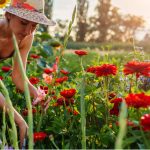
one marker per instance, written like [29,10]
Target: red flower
[64,72]
[61,80]
[115,109]
[138,100]
[48,70]
[6,68]
[68,93]
[39,136]
[34,56]
[106,70]
[91,69]
[139,68]
[25,111]
[45,88]
[81,52]
[60,101]
[111,95]
[129,124]
[116,100]
[1,78]
[34,80]
[64,101]
[75,113]
[145,122]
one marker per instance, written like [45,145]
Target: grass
[72,61]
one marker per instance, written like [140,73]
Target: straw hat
[32,10]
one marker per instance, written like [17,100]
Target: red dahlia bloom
[68,93]
[61,80]
[39,136]
[106,70]
[139,68]
[64,72]
[6,68]
[145,122]
[1,78]
[91,69]
[81,52]
[61,101]
[115,109]
[34,80]
[138,100]
[35,56]
[48,70]
[116,100]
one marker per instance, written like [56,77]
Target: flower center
[2,2]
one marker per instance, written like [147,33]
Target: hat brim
[29,15]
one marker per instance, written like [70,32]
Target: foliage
[62,122]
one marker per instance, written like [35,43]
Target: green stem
[106,98]
[82,107]
[83,117]
[122,126]
[27,93]
[40,122]
[11,115]
[4,129]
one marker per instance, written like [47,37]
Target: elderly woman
[21,18]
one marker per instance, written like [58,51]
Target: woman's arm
[16,73]
[18,119]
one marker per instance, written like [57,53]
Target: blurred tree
[109,25]
[48,12]
[82,9]
[102,20]
[131,24]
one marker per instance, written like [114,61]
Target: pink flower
[41,96]
[47,78]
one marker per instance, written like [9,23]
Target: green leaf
[41,63]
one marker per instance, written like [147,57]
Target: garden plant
[90,101]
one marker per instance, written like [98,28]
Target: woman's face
[21,27]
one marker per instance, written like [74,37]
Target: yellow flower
[3,3]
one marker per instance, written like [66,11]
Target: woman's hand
[23,129]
